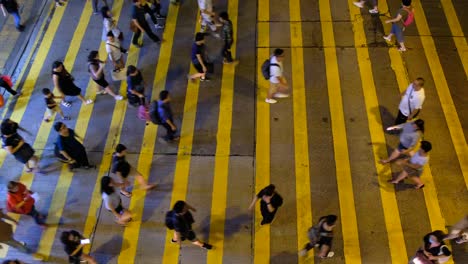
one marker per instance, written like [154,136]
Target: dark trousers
[267,216]
[401,118]
[38,218]
[227,51]
[169,132]
[95,4]
[148,31]
[8,88]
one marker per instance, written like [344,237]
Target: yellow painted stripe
[352,251]
[184,152]
[262,148]
[28,87]
[113,138]
[443,92]
[223,146]
[137,202]
[457,33]
[301,143]
[396,240]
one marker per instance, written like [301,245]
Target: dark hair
[224,15]
[110,34]
[120,147]
[64,237]
[179,207]
[8,127]
[199,36]
[57,126]
[46,91]
[8,261]
[439,234]
[330,219]
[163,95]
[420,81]
[11,185]
[420,124]
[104,11]
[105,188]
[269,190]
[131,69]
[278,52]
[406,2]
[426,146]
[92,55]
[56,64]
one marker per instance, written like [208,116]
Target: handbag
[420,258]
[133,26]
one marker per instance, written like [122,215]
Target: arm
[413,113]
[99,70]
[252,204]
[190,207]
[200,59]
[138,25]
[396,19]
[171,124]
[267,200]
[124,181]
[65,154]
[12,150]
[3,10]
[76,250]
[282,80]
[117,215]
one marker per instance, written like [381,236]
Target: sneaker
[374,11]
[58,4]
[157,26]
[387,38]
[66,118]
[173,241]
[204,79]
[46,120]
[281,95]
[359,4]
[303,252]
[271,101]
[118,97]
[160,16]
[401,49]
[89,101]
[20,28]
[207,246]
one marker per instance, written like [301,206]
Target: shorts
[401,147]
[51,111]
[325,241]
[398,32]
[199,67]
[412,171]
[24,153]
[102,82]
[190,236]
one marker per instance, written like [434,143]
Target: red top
[19,196]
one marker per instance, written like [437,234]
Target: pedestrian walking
[411,102]
[52,106]
[68,149]
[165,115]
[270,201]
[5,82]
[411,132]
[459,231]
[198,59]
[126,172]
[6,234]
[115,51]
[95,5]
[207,16]
[181,219]
[20,200]
[135,87]
[157,8]
[109,24]
[73,243]
[139,23]
[278,84]
[374,10]
[12,8]
[112,201]
[413,167]
[227,36]
[151,12]
[14,144]
[63,81]
[96,69]
[433,250]
[321,236]
[403,18]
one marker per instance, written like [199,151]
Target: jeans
[17,18]
[16,244]
[147,30]
[38,218]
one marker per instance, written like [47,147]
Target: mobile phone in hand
[85,241]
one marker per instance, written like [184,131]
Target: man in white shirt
[411,101]
[207,15]
[278,84]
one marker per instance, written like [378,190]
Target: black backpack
[154,113]
[266,68]
[170,219]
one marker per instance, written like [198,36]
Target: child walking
[52,106]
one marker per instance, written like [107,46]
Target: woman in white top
[413,167]
[115,51]
[112,201]
[109,24]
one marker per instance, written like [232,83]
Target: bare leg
[403,174]
[143,183]
[418,182]
[324,249]
[88,258]
[197,75]
[395,154]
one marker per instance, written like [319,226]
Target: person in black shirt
[139,20]
[12,8]
[74,248]
[123,169]
[182,222]
[165,113]
[51,105]
[68,149]
[136,87]
[434,247]
[324,239]
[198,50]
[270,201]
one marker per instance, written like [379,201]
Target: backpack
[143,113]
[410,19]
[170,217]
[154,113]
[266,68]
[314,233]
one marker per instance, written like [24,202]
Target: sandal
[89,101]
[419,187]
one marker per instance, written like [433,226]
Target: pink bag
[143,113]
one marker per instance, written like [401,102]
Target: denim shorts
[398,32]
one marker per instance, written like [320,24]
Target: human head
[163,95]
[279,54]
[437,236]
[106,185]
[179,207]
[8,127]
[406,2]
[12,261]
[131,70]
[199,37]
[270,189]
[120,148]
[59,125]
[65,237]
[46,91]
[110,36]
[419,123]
[418,83]
[331,220]
[57,66]
[93,55]
[105,12]
[426,146]
[223,16]
[12,186]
